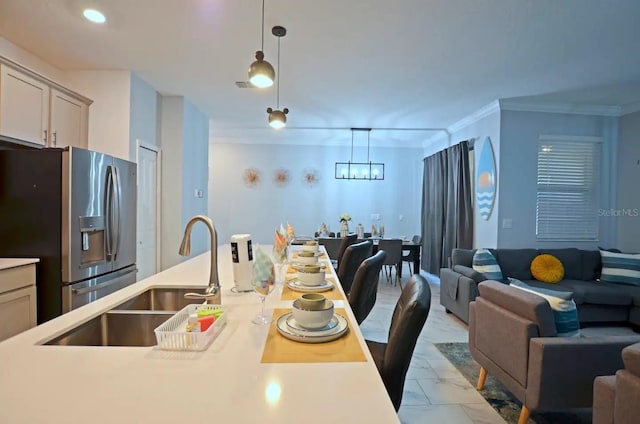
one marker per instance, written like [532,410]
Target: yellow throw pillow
[547,268]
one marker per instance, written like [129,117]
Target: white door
[148,210]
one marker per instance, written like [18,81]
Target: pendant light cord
[278,76]
[262,44]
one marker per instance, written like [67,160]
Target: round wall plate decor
[281,177]
[251,177]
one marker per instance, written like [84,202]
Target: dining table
[248,374]
[413,249]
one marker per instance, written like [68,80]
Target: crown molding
[630,108]
[474,117]
[572,108]
[481,113]
[434,139]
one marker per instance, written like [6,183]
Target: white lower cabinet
[17,300]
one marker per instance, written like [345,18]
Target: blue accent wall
[628,201]
[519,135]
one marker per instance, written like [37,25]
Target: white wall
[109,114]
[144,114]
[628,177]
[238,208]
[518,173]
[30,61]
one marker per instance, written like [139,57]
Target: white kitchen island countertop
[225,383]
[6,263]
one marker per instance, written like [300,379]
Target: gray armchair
[512,336]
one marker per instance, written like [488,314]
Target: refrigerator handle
[109,211]
[116,210]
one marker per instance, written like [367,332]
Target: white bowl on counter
[311,278]
[313,319]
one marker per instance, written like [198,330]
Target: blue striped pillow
[620,268]
[564,308]
[485,263]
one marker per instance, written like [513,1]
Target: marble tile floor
[434,390]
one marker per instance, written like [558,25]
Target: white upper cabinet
[39,111]
[68,120]
[24,106]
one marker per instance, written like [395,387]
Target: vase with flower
[344,222]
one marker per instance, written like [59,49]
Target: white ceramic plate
[296,285]
[312,336]
[295,327]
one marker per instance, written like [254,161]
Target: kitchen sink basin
[161,299]
[115,328]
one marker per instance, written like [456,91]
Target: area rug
[499,397]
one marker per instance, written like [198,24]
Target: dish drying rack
[172,334]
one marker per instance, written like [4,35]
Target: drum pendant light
[261,73]
[277,117]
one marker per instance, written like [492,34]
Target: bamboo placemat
[278,349]
[333,294]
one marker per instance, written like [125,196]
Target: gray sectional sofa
[597,302]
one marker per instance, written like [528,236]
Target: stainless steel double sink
[131,323]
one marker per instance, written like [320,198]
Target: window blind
[568,190]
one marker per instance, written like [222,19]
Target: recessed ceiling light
[94,16]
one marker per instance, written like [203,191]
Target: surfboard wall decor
[486,180]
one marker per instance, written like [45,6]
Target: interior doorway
[148,228]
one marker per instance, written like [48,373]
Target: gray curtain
[447,212]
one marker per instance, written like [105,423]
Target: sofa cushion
[547,268]
[591,265]
[597,293]
[620,268]
[564,308]
[571,259]
[464,257]
[485,263]
[516,262]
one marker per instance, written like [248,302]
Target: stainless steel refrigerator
[75,210]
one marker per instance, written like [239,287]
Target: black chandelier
[368,170]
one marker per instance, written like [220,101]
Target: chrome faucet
[212,293]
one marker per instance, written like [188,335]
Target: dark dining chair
[393,247]
[408,258]
[364,289]
[351,260]
[346,242]
[331,245]
[393,358]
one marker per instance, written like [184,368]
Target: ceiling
[417,65]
